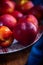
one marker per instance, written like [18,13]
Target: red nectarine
[28,5]
[8,20]
[17,14]
[31,18]
[24,7]
[6,36]
[7,7]
[1,1]
[25,32]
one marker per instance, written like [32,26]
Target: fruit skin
[25,7]
[23,1]
[17,14]
[1,1]
[8,20]
[25,32]
[28,5]
[7,7]
[6,36]
[31,18]
[4,0]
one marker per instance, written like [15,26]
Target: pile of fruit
[19,21]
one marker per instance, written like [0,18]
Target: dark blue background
[37,2]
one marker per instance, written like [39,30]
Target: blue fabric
[36,55]
[37,2]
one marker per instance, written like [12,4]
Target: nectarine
[25,7]
[25,32]
[6,36]
[3,0]
[17,14]
[28,5]
[8,20]
[7,7]
[31,18]
[22,1]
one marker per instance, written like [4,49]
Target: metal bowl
[16,46]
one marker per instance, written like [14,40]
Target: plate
[16,46]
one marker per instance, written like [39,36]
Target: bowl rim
[23,47]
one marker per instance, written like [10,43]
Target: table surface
[18,58]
